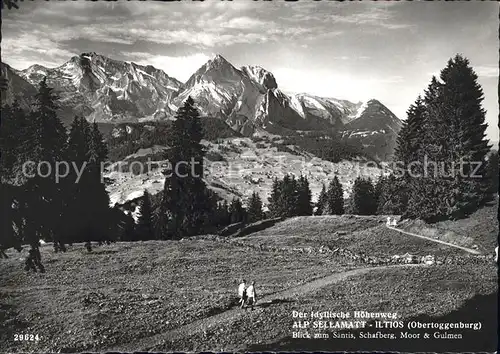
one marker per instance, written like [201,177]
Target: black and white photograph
[249,176]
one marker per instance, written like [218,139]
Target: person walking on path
[242,293]
[251,296]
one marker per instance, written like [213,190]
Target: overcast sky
[356,51]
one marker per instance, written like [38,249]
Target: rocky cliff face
[104,89]
[18,88]
[247,99]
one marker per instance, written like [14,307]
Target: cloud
[30,48]
[370,14]
[487,71]
[246,22]
[181,67]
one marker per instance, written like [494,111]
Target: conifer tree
[78,198]
[304,205]
[276,207]
[363,197]
[184,204]
[335,197]
[322,203]
[14,129]
[463,113]
[129,229]
[453,137]
[290,196]
[410,137]
[14,137]
[423,184]
[44,197]
[255,208]
[392,195]
[145,229]
[99,211]
[225,213]
[238,213]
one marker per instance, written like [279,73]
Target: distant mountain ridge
[248,99]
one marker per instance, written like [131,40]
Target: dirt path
[203,324]
[470,250]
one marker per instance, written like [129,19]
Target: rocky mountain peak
[218,62]
[260,76]
[247,99]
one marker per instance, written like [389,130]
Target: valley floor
[181,295]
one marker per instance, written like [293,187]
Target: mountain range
[248,99]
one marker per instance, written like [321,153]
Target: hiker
[242,293]
[251,298]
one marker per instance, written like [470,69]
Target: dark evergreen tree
[211,221]
[392,195]
[453,140]
[185,203]
[462,110]
[409,141]
[423,184]
[335,197]
[225,214]
[322,203]
[129,229]
[255,212]
[238,213]
[276,206]
[78,198]
[304,204]
[99,212]
[290,196]
[44,196]
[145,230]
[363,197]
[14,137]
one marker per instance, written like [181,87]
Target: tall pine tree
[363,199]
[255,208]
[335,197]
[43,202]
[145,229]
[238,213]
[99,214]
[304,205]
[78,198]
[276,205]
[463,113]
[322,203]
[185,198]
[452,142]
